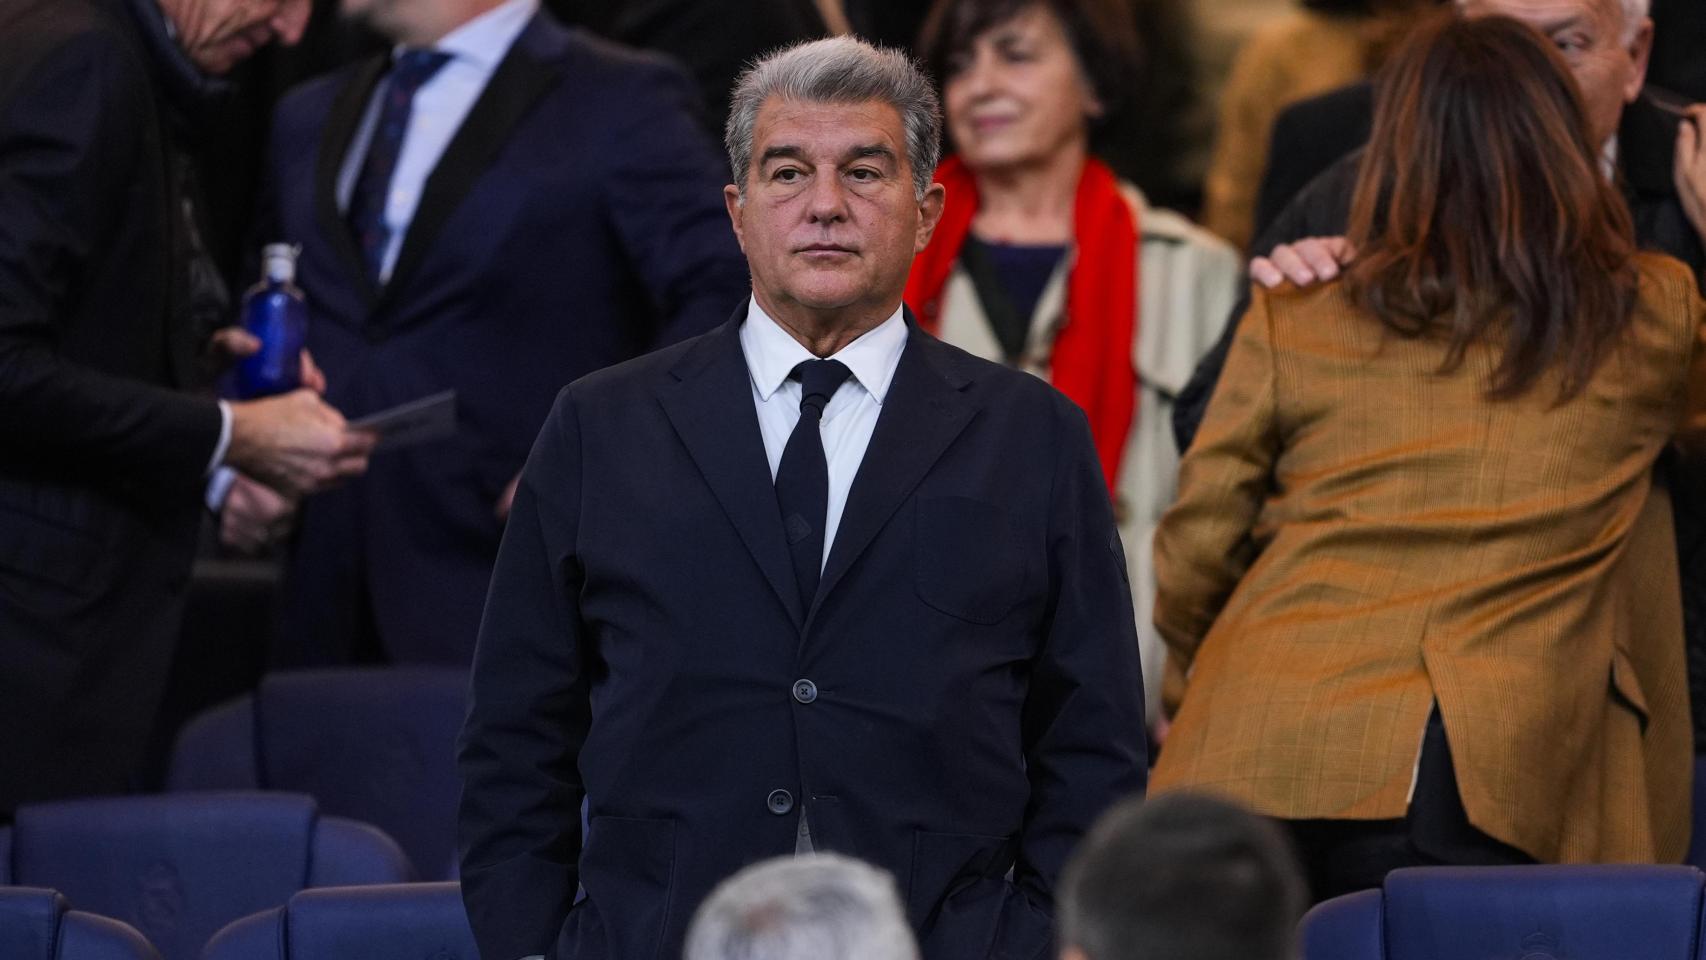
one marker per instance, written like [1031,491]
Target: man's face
[219,34]
[830,220]
[1607,55]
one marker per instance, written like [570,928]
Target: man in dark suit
[497,207]
[106,300]
[811,581]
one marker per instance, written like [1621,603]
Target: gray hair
[838,70]
[817,907]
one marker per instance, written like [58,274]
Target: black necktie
[366,213]
[802,480]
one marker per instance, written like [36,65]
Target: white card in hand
[418,421]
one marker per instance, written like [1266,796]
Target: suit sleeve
[68,140]
[1204,545]
[1082,725]
[664,194]
[528,713]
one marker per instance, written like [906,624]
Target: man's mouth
[825,248]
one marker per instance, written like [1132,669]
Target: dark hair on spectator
[1185,875]
[1481,213]
[1102,33]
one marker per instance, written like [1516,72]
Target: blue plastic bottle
[275,311]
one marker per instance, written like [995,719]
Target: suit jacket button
[805,691]
[781,802]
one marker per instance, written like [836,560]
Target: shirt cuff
[219,487]
[219,449]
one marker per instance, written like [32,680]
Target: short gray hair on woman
[816,907]
[838,70]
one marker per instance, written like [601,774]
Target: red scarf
[1092,354]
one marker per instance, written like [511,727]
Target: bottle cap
[278,262]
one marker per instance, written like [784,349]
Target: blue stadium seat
[375,745]
[1533,913]
[37,924]
[399,922]
[178,868]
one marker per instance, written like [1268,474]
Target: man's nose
[828,198]
[291,20]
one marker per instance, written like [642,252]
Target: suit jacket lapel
[532,66]
[340,131]
[710,406]
[927,407]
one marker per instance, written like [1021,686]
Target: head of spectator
[219,34]
[414,23]
[820,907]
[832,144]
[1605,44]
[1184,875]
[1025,82]
[1480,212]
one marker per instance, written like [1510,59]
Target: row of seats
[1439,913]
[393,922]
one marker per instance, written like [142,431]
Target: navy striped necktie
[366,215]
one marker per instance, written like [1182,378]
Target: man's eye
[864,174]
[787,175]
[1571,43]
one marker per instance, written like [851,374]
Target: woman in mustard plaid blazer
[1418,574]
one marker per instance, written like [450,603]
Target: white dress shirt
[848,420]
[441,104]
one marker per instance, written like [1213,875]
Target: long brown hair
[1480,210]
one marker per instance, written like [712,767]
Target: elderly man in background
[812,581]
[1186,875]
[821,907]
[107,295]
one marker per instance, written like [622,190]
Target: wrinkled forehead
[827,130]
[1546,14]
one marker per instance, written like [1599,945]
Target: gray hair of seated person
[1183,875]
[838,70]
[817,907]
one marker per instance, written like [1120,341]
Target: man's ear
[1641,52]
[929,214]
[731,200]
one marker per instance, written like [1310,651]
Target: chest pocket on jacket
[971,562]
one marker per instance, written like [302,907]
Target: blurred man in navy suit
[814,581]
[497,206]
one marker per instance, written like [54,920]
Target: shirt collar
[772,353]
[484,40]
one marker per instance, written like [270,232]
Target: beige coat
[1189,281]
[1358,536]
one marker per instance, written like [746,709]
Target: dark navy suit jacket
[575,220]
[977,692]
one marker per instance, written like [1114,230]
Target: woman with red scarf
[1045,260]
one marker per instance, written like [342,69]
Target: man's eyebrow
[784,151]
[1565,23]
[876,150]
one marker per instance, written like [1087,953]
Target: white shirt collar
[772,353]
[484,40]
